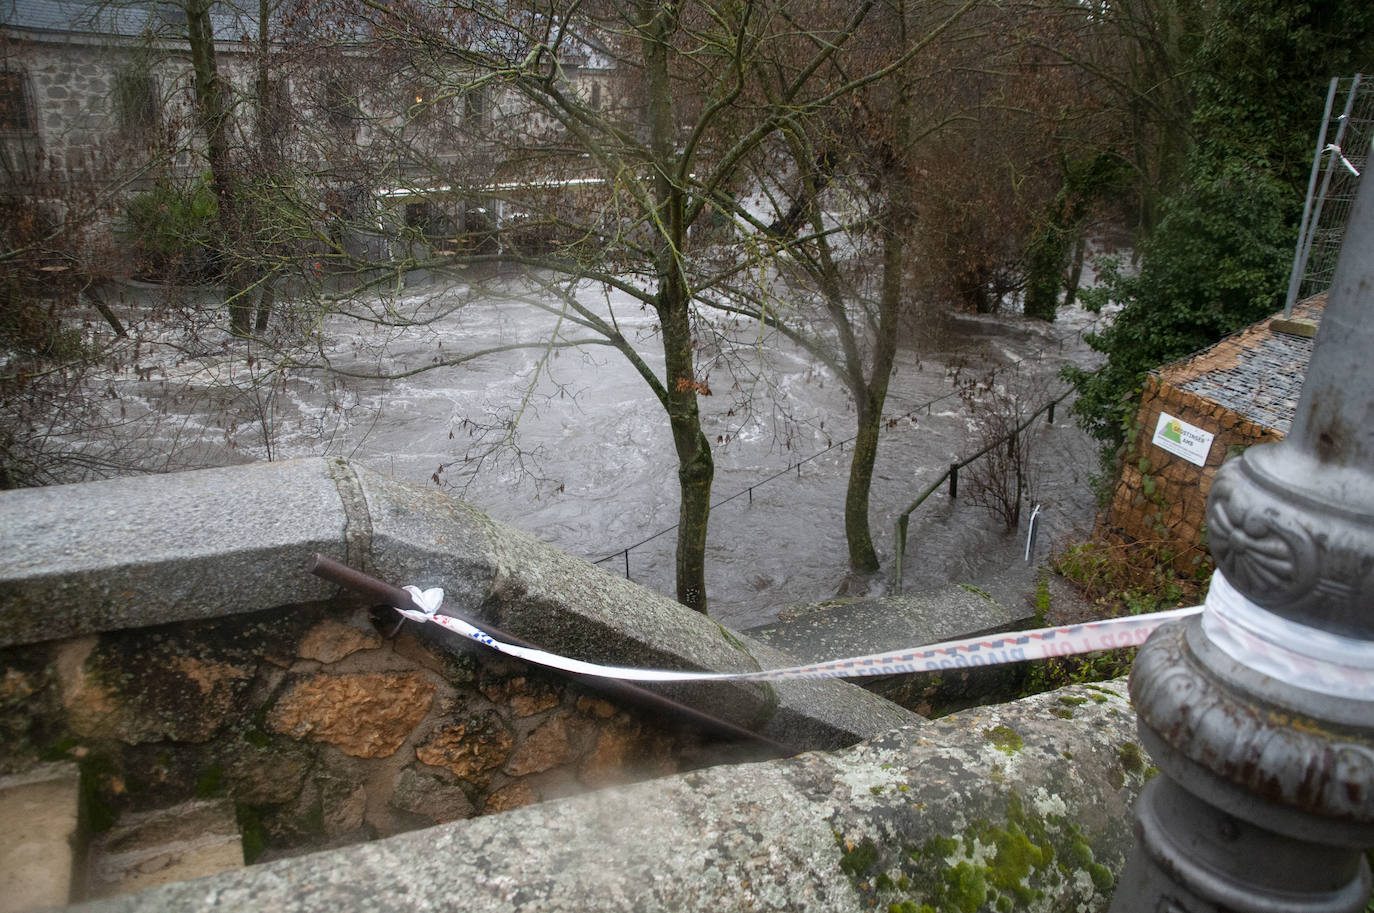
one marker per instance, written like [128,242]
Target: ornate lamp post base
[1266,820]
[1260,712]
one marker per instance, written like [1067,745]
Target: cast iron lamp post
[1260,711]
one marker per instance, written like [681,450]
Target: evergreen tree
[1220,256]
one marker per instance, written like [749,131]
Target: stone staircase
[48,860]
[39,846]
[171,844]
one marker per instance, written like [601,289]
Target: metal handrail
[791,467]
[900,524]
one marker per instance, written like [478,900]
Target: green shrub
[174,229]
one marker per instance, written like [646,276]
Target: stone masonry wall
[1160,495]
[322,730]
[1022,806]
[74,89]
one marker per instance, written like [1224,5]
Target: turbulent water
[589,465]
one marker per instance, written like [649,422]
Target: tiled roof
[1256,373]
[121,17]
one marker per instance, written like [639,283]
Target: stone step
[179,843]
[38,839]
[858,627]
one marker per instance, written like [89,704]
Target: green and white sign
[1182,439]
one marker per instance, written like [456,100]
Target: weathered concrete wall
[1006,807]
[163,630]
[857,627]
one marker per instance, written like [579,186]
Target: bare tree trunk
[696,468]
[96,293]
[1075,271]
[266,299]
[265,129]
[214,123]
[863,557]
[870,398]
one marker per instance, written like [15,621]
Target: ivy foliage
[1086,182]
[1217,262]
[1220,255]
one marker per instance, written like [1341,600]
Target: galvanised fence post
[1260,711]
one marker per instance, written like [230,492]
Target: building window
[418,217]
[426,103]
[16,103]
[340,107]
[596,96]
[475,104]
[273,108]
[136,101]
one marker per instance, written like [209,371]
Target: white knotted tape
[1336,150]
[1293,653]
[971,652]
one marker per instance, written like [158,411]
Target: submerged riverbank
[588,463]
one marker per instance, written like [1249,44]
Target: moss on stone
[859,859]
[767,707]
[1013,864]
[210,784]
[735,642]
[97,809]
[1131,757]
[1072,700]
[253,834]
[967,887]
[1004,739]
[1100,875]
[938,847]
[256,737]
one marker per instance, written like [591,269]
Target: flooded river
[589,464]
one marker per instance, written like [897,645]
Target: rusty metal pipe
[383,592]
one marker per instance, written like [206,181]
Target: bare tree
[919,194]
[1004,477]
[631,192]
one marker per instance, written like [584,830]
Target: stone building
[1199,412]
[103,93]
[89,88]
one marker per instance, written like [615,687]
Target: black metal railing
[952,476]
[910,413]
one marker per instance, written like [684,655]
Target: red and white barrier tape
[1017,646]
